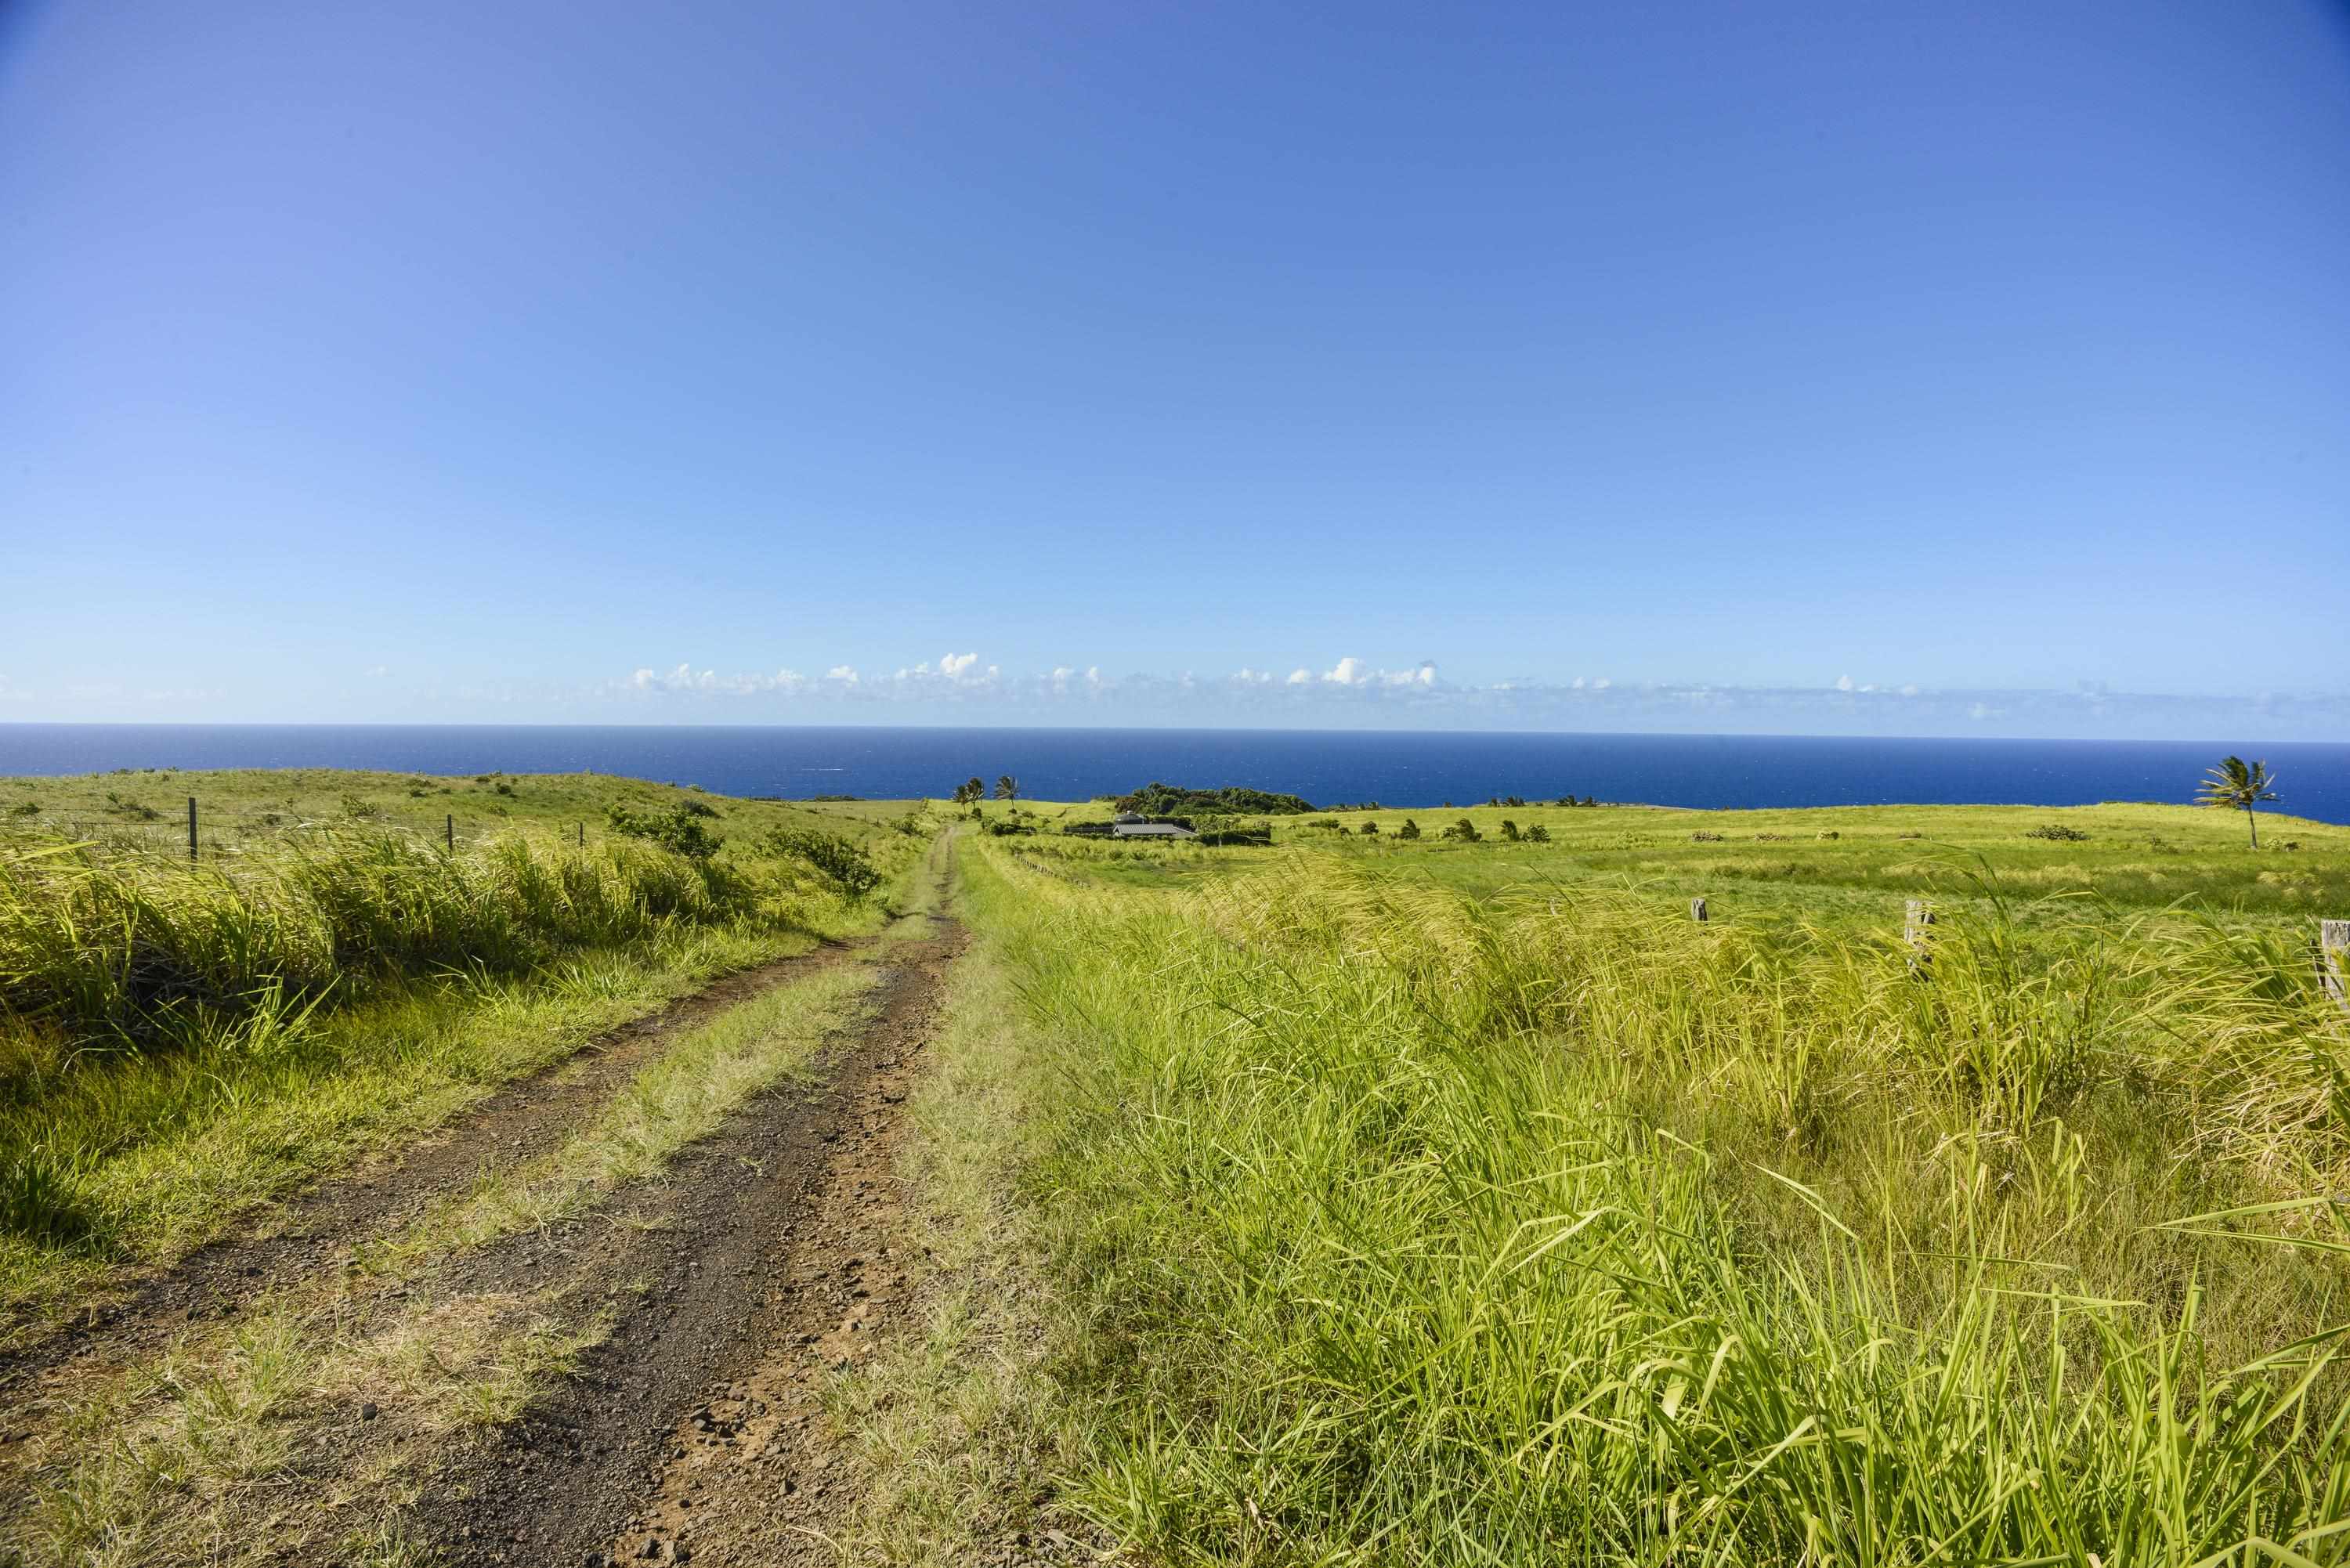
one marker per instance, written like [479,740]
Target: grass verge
[1390,1225]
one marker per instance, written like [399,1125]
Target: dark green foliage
[836,860]
[697,808]
[30,808]
[1537,833]
[1370,830]
[1409,829]
[1170,800]
[1509,833]
[969,791]
[2058,832]
[1463,831]
[677,829]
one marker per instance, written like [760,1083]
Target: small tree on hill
[1409,829]
[2238,786]
[677,829]
[1370,830]
[1537,833]
[1006,787]
[1509,831]
[969,792]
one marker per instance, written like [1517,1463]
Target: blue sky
[1910,369]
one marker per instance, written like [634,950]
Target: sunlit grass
[1407,1227]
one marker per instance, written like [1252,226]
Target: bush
[1409,829]
[1463,831]
[677,829]
[1168,800]
[1537,833]
[842,863]
[2058,832]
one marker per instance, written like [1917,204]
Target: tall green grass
[144,1001]
[1407,1227]
[136,951]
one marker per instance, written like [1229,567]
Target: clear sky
[1913,368]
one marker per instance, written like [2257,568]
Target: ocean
[1395,768]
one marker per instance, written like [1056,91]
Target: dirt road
[654,1358]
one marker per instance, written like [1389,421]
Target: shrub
[676,830]
[2058,832]
[1509,833]
[358,809]
[1702,836]
[1537,833]
[1370,830]
[839,862]
[1463,831]
[1409,829]
[30,808]
[1168,800]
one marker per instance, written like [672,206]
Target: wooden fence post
[450,827]
[1917,926]
[2334,959]
[1697,910]
[191,829]
[583,835]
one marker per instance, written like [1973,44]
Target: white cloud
[1910,689]
[1844,683]
[953,665]
[1299,677]
[844,673]
[1602,684]
[1348,672]
[378,672]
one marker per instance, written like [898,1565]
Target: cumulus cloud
[1352,689]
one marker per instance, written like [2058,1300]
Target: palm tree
[2238,786]
[1006,787]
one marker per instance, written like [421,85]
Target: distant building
[1138,828]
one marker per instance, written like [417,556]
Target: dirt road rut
[765,1256]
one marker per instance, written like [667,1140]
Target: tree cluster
[1170,800]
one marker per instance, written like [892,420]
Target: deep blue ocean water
[1395,768]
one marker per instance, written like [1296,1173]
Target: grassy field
[1357,1199]
[1467,1203]
[1852,864]
[180,1041]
